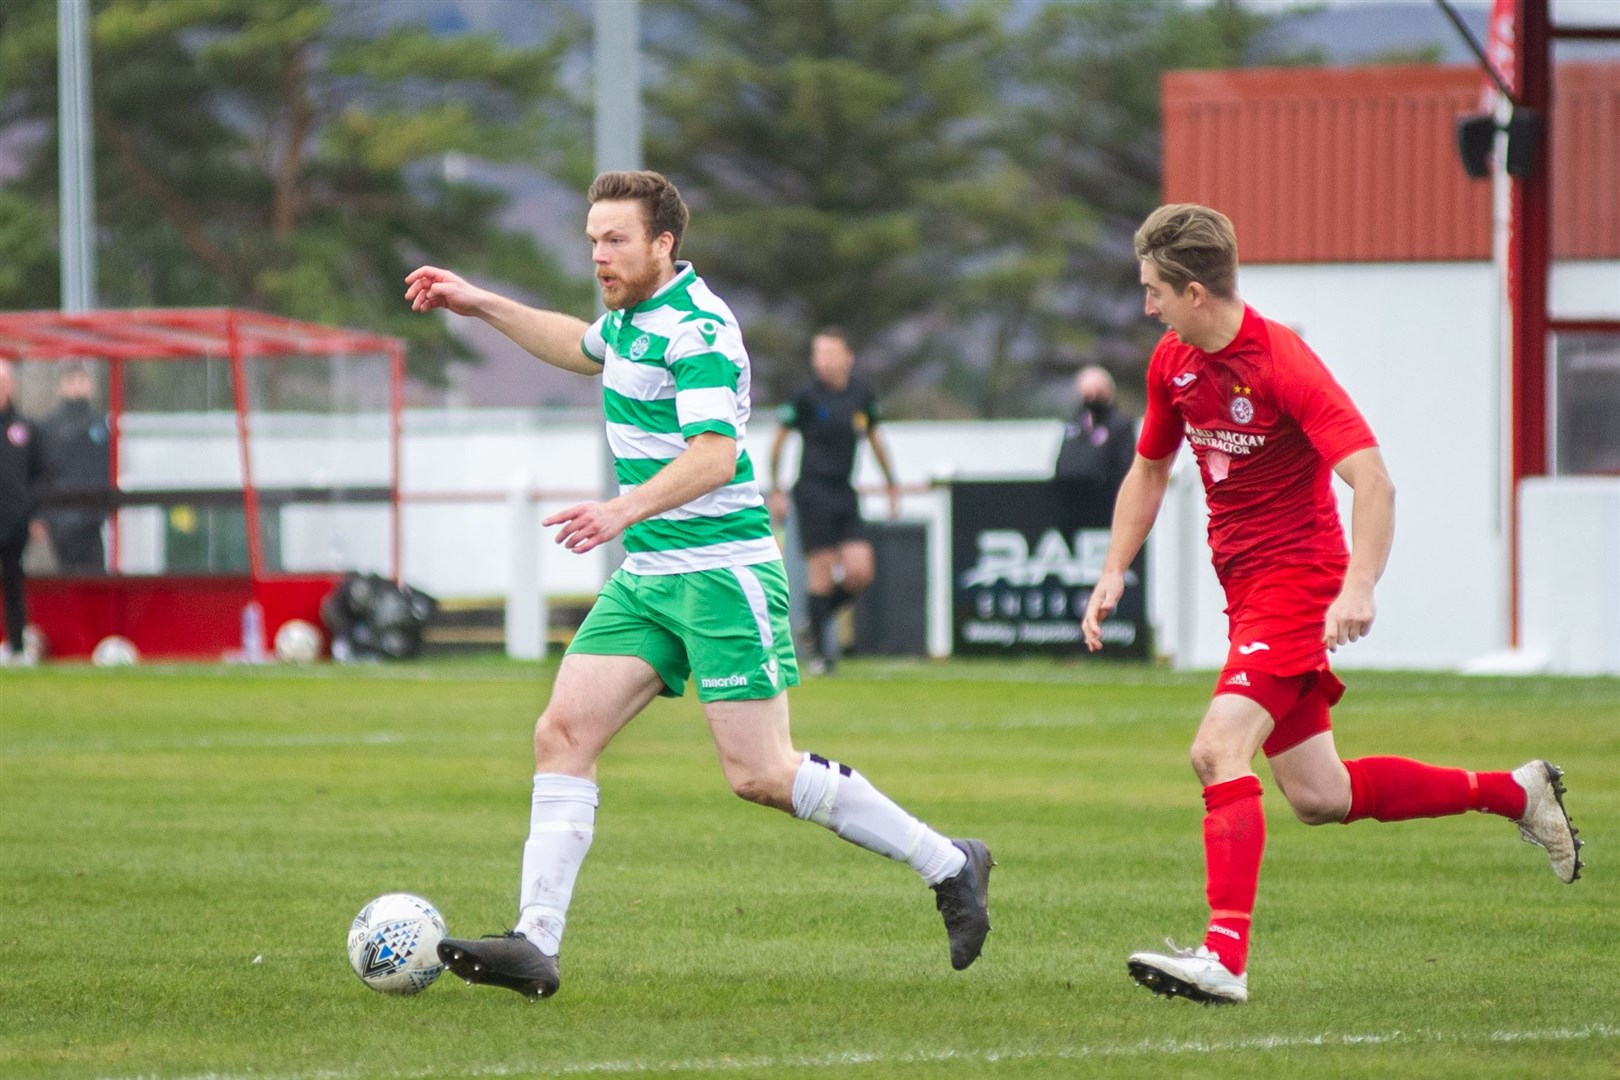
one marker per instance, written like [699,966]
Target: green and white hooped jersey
[674,367]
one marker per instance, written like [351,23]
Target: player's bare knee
[1209,761]
[1318,808]
[554,738]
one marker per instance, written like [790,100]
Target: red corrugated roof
[174,333]
[1360,164]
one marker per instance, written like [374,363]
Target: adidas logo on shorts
[1241,678]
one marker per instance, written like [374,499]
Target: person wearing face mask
[1099,442]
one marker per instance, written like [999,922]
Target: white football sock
[839,798]
[562,820]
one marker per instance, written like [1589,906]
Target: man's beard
[632,291]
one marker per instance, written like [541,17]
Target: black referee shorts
[827,514]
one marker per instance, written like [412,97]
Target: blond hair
[661,203]
[1185,242]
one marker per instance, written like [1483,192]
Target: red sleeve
[1308,393]
[1161,423]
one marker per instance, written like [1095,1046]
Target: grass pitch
[181,851]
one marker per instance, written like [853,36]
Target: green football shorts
[727,629]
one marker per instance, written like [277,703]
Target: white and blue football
[394,944]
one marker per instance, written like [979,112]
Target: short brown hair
[662,204]
[1185,243]
[836,332]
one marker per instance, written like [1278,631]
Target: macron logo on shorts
[1241,678]
[723,682]
[1254,647]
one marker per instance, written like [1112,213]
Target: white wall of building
[1584,289]
[1416,345]
[1569,575]
[459,469]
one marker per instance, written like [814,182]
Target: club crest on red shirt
[1242,410]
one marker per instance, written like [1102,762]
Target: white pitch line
[116,744]
[851,1058]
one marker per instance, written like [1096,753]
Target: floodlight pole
[617,69]
[617,26]
[74,158]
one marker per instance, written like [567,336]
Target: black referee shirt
[830,422]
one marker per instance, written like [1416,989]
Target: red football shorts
[1276,657]
[1298,704]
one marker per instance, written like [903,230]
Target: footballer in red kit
[1270,428]
[1265,419]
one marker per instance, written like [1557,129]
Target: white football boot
[1545,821]
[1195,974]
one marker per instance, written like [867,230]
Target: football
[394,942]
[115,650]
[298,642]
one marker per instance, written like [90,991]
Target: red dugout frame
[190,616]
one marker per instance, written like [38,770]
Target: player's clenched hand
[428,287]
[1104,599]
[587,525]
[1350,616]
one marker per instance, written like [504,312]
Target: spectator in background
[831,414]
[21,473]
[1099,443]
[74,438]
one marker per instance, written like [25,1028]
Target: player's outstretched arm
[549,335]
[1135,510]
[1372,532]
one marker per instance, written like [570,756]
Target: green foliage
[824,146]
[278,155]
[29,270]
[184,849]
[955,183]
[1086,126]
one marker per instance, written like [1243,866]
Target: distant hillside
[1363,31]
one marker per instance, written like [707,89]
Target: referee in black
[831,414]
[21,472]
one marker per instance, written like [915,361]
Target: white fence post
[941,586]
[525,602]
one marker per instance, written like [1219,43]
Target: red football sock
[1234,840]
[1399,789]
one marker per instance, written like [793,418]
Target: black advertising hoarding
[1024,560]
